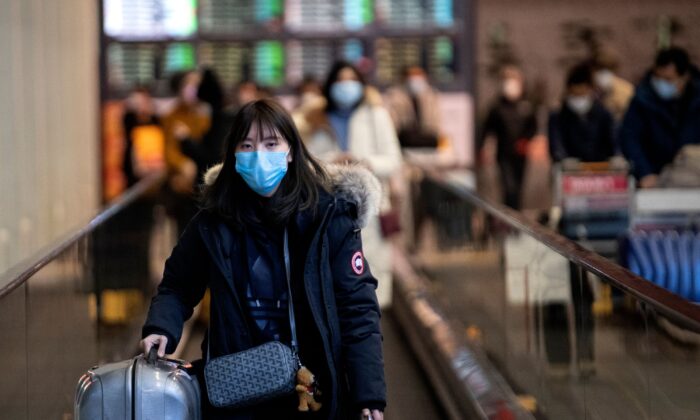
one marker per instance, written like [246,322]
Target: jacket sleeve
[358,313]
[183,286]
[386,158]
[631,139]
[557,147]
[611,148]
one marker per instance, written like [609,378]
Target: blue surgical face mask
[262,171]
[347,93]
[665,89]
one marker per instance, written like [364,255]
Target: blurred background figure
[209,150]
[582,128]
[143,137]
[189,120]
[509,127]
[414,108]
[244,92]
[613,91]
[309,112]
[663,115]
[357,129]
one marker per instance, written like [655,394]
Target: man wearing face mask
[664,115]
[512,122]
[414,108]
[582,128]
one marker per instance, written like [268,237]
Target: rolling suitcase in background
[138,389]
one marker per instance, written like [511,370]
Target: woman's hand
[154,340]
[376,414]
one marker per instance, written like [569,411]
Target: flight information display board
[150,20]
[277,43]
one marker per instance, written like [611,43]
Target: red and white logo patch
[358,263]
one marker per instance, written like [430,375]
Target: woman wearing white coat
[354,127]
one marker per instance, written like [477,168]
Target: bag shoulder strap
[292,321]
[290,305]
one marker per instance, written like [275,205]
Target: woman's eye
[271,144]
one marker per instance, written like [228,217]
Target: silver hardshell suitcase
[138,389]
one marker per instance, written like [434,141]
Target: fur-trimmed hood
[353,183]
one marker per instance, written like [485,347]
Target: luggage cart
[592,202]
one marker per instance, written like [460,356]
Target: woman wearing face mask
[614,92]
[358,129]
[269,202]
[414,108]
[188,121]
[582,128]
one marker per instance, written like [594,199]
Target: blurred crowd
[342,120]
[345,120]
[600,116]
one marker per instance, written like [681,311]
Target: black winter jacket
[335,301]
[654,130]
[589,138]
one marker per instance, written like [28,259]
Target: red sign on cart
[594,184]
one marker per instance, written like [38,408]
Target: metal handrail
[680,310]
[16,275]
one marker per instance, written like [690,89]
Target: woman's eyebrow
[272,136]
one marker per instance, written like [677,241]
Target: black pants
[556,325]
[512,174]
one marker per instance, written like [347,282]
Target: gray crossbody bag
[258,374]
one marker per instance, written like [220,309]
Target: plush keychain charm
[306,388]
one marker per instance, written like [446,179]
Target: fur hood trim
[352,183]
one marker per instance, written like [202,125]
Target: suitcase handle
[152,355]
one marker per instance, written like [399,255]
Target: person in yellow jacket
[615,92]
[188,120]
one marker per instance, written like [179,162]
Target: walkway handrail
[19,273]
[680,310]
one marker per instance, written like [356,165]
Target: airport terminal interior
[522,179]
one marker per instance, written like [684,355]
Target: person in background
[269,191]
[208,151]
[309,113]
[664,115]
[414,108]
[582,128]
[245,91]
[512,122]
[357,129]
[188,120]
[131,227]
[140,121]
[613,91]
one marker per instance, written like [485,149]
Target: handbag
[258,374]
[389,222]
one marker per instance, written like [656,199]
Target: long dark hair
[299,190]
[333,77]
